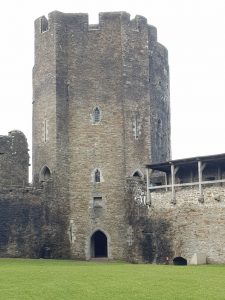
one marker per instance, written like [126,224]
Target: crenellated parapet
[81,21]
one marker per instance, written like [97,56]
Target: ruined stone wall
[14,159]
[195,227]
[21,222]
[30,222]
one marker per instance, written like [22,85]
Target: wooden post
[201,167]
[191,176]
[219,175]
[200,177]
[166,181]
[172,183]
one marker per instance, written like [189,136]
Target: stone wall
[14,159]
[113,66]
[159,99]
[148,235]
[195,227]
[30,222]
[21,222]
[118,68]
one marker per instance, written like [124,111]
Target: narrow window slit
[97,176]
[45,131]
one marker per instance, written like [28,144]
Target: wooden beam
[219,173]
[176,169]
[166,182]
[186,184]
[173,183]
[200,177]
[201,167]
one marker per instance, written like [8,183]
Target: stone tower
[100,113]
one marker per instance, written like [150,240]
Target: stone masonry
[101,112]
[195,227]
[118,71]
[14,159]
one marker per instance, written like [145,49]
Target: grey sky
[192,31]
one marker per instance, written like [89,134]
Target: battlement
[81,20]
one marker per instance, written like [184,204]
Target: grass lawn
[63,279]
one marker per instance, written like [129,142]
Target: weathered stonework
[148,235]
[116,66]
[14,159]
[195,227]
[100,113]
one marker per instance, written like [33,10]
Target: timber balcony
[189,172]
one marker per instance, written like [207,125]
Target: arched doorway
[99,247]
[179,261]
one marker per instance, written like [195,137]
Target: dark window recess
[136,174]
[97,176]
[97,201]
[96,115]
[44,25]
[45,131]
[210,178]
[136,127]
[67,92]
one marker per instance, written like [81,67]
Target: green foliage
[58,279]
[151,236]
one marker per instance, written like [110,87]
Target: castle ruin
[101,112]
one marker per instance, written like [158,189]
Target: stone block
[198,259]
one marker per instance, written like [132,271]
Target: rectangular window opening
[97,202]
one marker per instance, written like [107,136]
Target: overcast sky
[192,31]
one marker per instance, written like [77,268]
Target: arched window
[97,176]
[45,174]
[137,174]
[96,115]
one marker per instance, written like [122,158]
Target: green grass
[58,279]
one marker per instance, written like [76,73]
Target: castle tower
[100,113]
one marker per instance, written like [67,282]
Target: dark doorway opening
[99,246]
[45,252]
[179,261]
